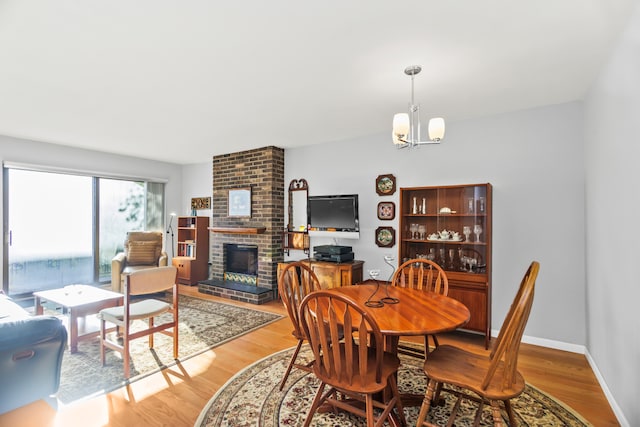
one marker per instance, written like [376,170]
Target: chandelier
[406,126]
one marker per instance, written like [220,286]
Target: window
[66,228]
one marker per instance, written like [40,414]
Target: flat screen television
[334,216]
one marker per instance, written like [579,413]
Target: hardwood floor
[176,396]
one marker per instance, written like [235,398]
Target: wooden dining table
[416,313]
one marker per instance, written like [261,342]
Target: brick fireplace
[262,170]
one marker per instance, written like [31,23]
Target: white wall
[38,153]
[534,160]
[197,181]
[612,113]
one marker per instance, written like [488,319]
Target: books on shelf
[187,248]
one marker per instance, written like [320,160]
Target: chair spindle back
[326,317]
[296,281]
[421,274]
[507,345]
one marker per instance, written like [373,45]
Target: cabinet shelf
[453,215]
[298,240]
[444,242]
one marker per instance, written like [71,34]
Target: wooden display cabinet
[192,261]
[440,223]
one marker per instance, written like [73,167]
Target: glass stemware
[466,230]
[471,204]
[452,258]
[477,230]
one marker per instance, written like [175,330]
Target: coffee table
[79,301]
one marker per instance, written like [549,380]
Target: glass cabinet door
[448,225]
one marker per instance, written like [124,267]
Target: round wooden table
[417,312]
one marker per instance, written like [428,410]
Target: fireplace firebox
[241,263]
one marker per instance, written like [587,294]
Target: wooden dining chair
[356,369]
[426,275]
[139,283]
[492,379]
[296,281]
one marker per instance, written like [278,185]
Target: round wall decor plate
[385,237]
[385,185]
[386,211]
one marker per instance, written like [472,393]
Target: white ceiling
[181,81]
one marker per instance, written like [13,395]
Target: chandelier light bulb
[401,125]
[436,129]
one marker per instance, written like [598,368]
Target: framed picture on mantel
[239,202]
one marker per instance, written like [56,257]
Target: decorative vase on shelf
[415,205]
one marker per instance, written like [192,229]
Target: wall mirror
[296,236]
[298,197]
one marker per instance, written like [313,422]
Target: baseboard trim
[605,389]
[580,349]
[558,345]
[543,342]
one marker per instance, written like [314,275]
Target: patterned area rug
[252,398]
[203,325]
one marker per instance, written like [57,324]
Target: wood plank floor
[176,396]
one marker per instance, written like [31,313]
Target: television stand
[333,274]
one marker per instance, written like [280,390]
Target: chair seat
[137,310]
[451,365]
[133,268]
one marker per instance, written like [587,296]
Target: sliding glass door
[64,229]
[50,235]
[121,207]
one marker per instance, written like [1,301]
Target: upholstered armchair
[142,249]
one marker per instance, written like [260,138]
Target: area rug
[203,325]
[252,398]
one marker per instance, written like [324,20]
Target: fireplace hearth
[236,291]
[240,278]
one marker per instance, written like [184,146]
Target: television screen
[334,213]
